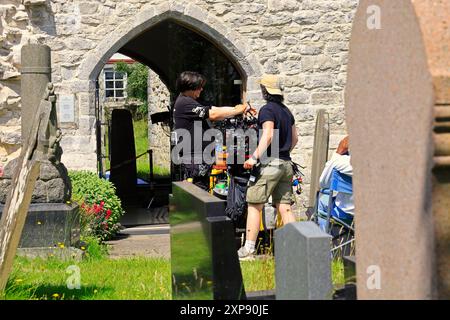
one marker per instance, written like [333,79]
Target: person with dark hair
[278,139]
[189,114]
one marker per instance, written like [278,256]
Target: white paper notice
[66,108]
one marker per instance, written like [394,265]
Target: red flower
[97,208]
[108,214]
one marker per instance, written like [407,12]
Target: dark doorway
[170,48]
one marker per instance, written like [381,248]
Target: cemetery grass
[337,272]
[101,279]
[122,279]
[260,274]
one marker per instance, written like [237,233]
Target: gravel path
[147,241]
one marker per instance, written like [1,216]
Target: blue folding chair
[326,212]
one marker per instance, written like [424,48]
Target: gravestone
[302,262]
[320,156]
[393,86]
[123,154]
[204,259]
[434,17]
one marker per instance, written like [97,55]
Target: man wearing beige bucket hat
[278,139]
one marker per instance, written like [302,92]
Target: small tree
[137,77]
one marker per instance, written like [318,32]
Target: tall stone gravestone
[320,156]
[302,262]
[204,259]
[392,89]
[123,154]
[434,18]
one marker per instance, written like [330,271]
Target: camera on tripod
[240,134]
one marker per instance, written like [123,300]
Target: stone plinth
[50,225]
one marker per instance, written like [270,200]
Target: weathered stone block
[313,82]
[4,187]
[326,98]
[286,5]
[34,2]
[307,17]
[298,98]
[318,63]
[310,50]
[88,8]
[48,171]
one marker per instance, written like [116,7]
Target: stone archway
[182,12]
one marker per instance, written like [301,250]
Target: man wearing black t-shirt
[192,117]
[278,139]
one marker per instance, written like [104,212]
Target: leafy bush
[100,207]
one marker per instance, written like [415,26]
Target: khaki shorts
[275,179]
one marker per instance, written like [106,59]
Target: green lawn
[102,279]
[141,144]
[121,279]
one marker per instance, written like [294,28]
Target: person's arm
[342,164]
[324,180]
[221,113]
[294,137]
[266,139]
[264,143]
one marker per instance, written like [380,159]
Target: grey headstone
[320,154]
[302,262]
